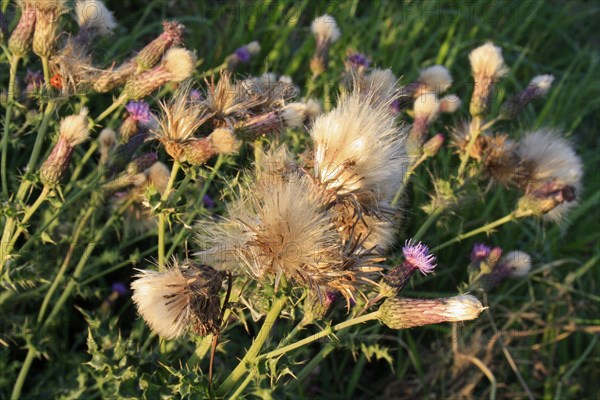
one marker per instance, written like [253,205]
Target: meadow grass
[548,324]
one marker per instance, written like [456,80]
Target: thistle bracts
[74,130]
[21,38]
[405,313]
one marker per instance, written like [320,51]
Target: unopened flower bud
[177,65]
[112,78]
[73,131]
[538,87]
[123,152]
[487,66]
[433,145]
[141,163]
[317,305]
[106,142]
[150,55]
[404,313]
[197,151]
[546,198]
[326,32]
[20,39]
[48,15]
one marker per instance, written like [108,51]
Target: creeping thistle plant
[309,236]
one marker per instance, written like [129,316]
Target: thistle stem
[425,225]
[14,63]
[325,332]
[46,68]
[28,214]
[16,393]
[508,218]
[116,104]
[252,354]
[411,170]
[474,132]
[162,217]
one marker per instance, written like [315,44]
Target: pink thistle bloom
[139,111]
[480,251]
[418,257]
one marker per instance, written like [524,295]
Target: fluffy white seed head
[450,103]
[313,108]
[180,298]
[358,147]
[75,128]
[427,107]
[551,157]
[325,29]
[380,86]
[518,262]
[294,114]
[224,141]
[436,79]
[94,14]
[180,62]
[463,308]
[543,83]
[487,62]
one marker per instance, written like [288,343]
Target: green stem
[116,104]
[162,217]
[508,218]
[320,335]
[46,68]
[14,63]
[28,214]
[63,268]
[409,173]
[425,225]
[82,262]
[16,393]
[252,354]
[474,131]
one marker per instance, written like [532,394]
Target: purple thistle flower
[480,252]
[139,111]
[395,107]
[243,54]
[196,95]
[418,257]
[330,297]
[208,202]
[120,288]
[358,60]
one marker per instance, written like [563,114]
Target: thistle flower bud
[48,15]
[257,125]
[158,176]
[326,32]
[546,198]
[197,151]
[449,104]
[538,87]
[20,40]
[317,305]
[94,20]
[141,163]
[138,115]
[150,55]
[177,65]
[186,296]
[427,108]
[433,145]
[223,141]
[107,80]
[435,79]
[416,258]
[404,313]
[242,55]
[487,65]
[73,131]
[106,142]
